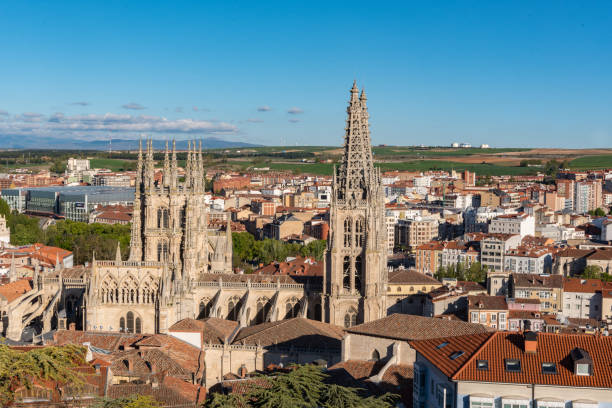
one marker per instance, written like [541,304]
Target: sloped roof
[411,277]
[411,327]
[528,280]
[214,330]
[487,302]
[13,290]
[297,332]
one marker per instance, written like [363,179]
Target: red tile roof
[13,290]
[497,346]
[582,285]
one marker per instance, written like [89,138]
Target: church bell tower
[355,280]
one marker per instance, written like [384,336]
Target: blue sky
[506,73]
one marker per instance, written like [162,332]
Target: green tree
[133,401]
[5,210]
[58,166]
[217,400]
[591,272]
[21,368]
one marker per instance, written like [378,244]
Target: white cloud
[264,108]
[80,103]
[294,120]
[255,120]
[295,111]
[92,125]
[3,112]
[133,106]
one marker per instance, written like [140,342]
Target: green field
[112,164]
[603,161]
[381,151]
[417,165]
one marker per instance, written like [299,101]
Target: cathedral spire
[166,166]
[149,165]
[173,166]
[188,165]
[118,253]
[355,174]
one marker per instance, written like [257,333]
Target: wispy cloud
[80,103]
[94,125]
[178,109]
[133,106]
[294,120]
[3,112]
[255,120]
[295,111]
[264,108]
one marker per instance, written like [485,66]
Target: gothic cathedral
[178,268]
[354,284]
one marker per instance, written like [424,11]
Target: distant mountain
[36,142]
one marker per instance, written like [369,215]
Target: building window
[515,403]
[549,368]
[513,365]
[292,308]
[122,324]
[359,232]
[482,365]
[347,232]
[481,403]
[130,322]
[138,325]
[358,274]
[350,318]
[346,274]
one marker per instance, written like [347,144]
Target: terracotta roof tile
[411,276]
[297,332]
[411,327]
[498,346]
[13,290]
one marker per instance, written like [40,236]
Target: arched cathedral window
[346,274]
[162,251]
[130,322]
[350,318]
[292,307]
[233,308]
[358,274]
[359,232]
[205,308]
[347,232]
[163,218]
[263,309]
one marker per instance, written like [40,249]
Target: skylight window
[513,365]
[456,355]
[549,368]
[442,345]
[482,364]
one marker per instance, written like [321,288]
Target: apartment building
[412,233]
[528,259]
[428,257]
[582,298]
[494,247]
[521,224]
[547,288]
[490,311]
[587,196]
[516,370]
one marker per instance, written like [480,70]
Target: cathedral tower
[355,280]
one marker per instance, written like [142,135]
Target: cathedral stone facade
[354,287]
[178,268]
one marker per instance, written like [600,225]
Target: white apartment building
[520,223]
[493,250]
[582,298]
[528,260]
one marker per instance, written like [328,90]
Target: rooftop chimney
[531,342]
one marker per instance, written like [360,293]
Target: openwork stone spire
[356,174]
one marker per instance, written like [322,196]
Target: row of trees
[474,273]
[248,251]
[79,237]
[83,239]
[302,387]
